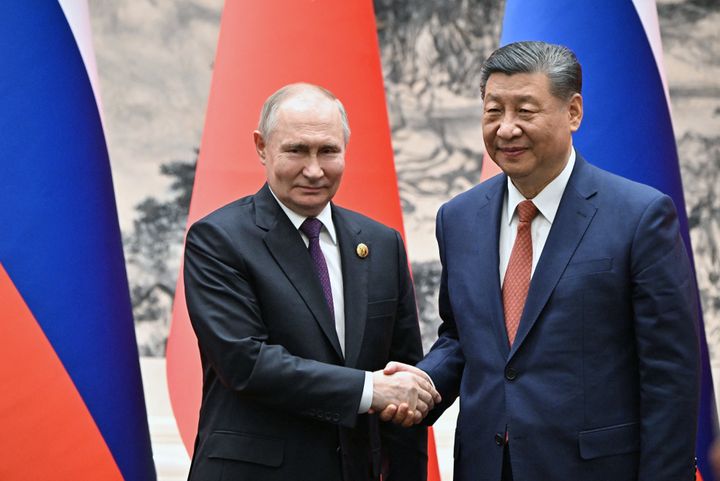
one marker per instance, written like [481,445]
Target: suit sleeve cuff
[367,394]
[429,379]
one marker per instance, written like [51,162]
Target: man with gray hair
[298,304]
[567,300]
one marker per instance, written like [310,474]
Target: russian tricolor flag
[627,127]
[72,403]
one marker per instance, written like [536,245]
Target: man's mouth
[512,151]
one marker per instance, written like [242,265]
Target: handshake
[402,394]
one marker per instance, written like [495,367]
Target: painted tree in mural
[431,53]
[701,176]
[437,43]
[689,31]
[153,250]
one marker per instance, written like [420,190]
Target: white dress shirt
[547,203]
[331,251]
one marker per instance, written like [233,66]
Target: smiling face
[304,156]
[527,130]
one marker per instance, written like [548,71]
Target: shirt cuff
[367,394]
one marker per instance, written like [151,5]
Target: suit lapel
[355,286]
[484,270]
[573,217]
[286,246]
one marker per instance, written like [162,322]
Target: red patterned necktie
[517,276]
[311,228]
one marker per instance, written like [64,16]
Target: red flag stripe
[47,431]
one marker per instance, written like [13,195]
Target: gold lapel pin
[362,250]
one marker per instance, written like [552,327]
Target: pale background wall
[155,63]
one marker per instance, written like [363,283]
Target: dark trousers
[507,468]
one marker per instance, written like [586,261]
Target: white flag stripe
[647,11]
[77,15]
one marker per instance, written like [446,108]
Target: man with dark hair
[567,300]
[297,305]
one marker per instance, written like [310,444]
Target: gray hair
[558,62]
[268,115]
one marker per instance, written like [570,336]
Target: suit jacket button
[510,374]
[499,439]
[336,417]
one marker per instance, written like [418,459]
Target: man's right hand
[403,394]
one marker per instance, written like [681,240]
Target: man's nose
[312,168]
[508,128]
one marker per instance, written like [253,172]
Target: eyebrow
[333,147]
[295,146]
[521,98]
[305,147]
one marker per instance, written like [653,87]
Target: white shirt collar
[548,200]
[325,216]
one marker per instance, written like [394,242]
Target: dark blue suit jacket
[601,383]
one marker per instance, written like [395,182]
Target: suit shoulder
[624,191]
[229,214]
[477,194]
[362,221]
[622,201]
[228,223]
[227,233]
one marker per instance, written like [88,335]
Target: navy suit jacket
[601,383]
[279,398]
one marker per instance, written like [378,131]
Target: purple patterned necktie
[311,228]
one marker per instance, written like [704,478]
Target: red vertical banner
[263,46]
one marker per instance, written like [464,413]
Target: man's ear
[575,110]
[260,145]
